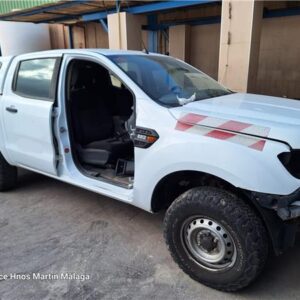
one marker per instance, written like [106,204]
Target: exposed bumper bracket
[290,212]
[287,207]
[281,216]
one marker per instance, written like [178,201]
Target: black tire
[246,228]
[8,175]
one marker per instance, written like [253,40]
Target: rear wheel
[216,238]
[8,175]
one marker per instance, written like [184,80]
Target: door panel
[27,105]
[28,131]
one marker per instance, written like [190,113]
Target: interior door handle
[12,109]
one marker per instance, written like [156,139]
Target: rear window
[36,78]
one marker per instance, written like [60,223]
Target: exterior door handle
[12,109]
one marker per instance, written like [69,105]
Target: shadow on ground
[49,227]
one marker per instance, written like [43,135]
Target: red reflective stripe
[192,118]
[221,135]
[234,126]
[258,145]
[182,126]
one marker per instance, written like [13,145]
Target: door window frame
[53,84]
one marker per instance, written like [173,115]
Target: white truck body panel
[230,160]
[282,116]
[27,140]
[28,132]
[178,151]
[67,170]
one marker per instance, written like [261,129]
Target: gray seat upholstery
[92,120]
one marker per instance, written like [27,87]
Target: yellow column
[179,42]
[239,44]
[125,31]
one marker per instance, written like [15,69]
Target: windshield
[168,81]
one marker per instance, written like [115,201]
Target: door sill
[108,176]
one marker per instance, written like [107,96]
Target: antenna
[145,50]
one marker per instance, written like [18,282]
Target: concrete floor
[50,227]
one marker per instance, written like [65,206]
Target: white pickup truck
[157,133]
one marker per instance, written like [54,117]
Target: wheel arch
[176,183]
[169,187]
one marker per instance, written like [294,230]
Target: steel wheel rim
[208,243]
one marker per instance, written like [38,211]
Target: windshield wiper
[183,101]
[213,93]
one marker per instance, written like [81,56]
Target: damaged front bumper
[281,215]
[287,207]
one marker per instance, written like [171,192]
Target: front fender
[241,166]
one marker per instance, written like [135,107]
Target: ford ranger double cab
[157,133]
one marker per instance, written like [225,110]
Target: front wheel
[216,238]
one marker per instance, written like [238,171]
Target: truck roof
[5,61]
[104,52]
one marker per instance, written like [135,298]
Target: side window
[36,78]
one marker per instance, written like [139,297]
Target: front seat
[93,122]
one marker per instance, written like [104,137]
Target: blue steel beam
[141,9]
[97,16]
[152,34]
[104,24]
[147,8]
[71,42]
[155,7]
[103,14]
[164,5]
[281,12]
[118,5]
[193,22]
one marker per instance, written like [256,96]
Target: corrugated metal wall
[7,6]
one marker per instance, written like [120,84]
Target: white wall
[19,37]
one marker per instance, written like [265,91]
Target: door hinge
[58,157]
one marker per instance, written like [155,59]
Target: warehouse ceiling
[70,12]
[66,11]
